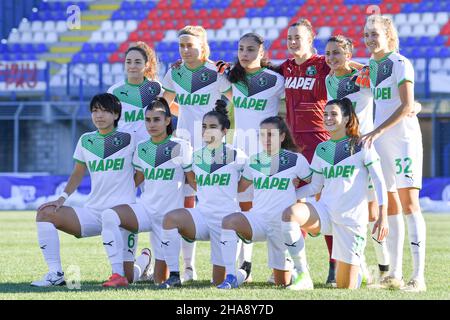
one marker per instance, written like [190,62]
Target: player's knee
[287,215]
[230,222]
[171,220]
[46,215]
[110,219]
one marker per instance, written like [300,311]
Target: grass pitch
[21,262]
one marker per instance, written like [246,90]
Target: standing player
[139,89]
[256,94]
[217,168]
[341,167]
[398,140]
[271,172]
[107,153]
[197,86]
[341,84]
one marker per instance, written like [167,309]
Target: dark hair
[221,113]
[107,102]
[149,56]
[288,143]
[344,42]
[346,106]
[160,104]
[237,73]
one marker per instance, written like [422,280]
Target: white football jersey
[163,165]
[196,93]
[217,173]
[345,179]
[109,161]
[272,180]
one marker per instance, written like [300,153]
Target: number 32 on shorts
[403,166]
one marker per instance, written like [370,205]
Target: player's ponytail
[221,113]
[288,142]
[160,104]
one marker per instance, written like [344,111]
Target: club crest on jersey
[262,81]
[117,141]
[204,76]
[284,160]
[386,69]
[311,71]
[167,151]
[349,86]
[152,90]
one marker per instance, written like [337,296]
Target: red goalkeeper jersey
[306,96]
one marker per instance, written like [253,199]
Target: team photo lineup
[214,158]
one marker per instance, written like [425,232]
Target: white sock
[188,250]
[295,244]
[171,244]
[139,266]
[229,245]
[395,240]
[417,238]
[49,242]
[112,240]
[380,247]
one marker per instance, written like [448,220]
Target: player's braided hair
[237,73]
[107,102]
[160,104]
[221,113]
[352,126]
[288,142]
[344,42]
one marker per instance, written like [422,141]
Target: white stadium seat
[400,19]
[441,18]
[14,37]
[433,30]
[37,26]
[257,23]
[38,37]
[419,65]
[51,37]
[25,25]
[221,35]
[49,26]
[447,64]
[282,22]
[117,69]
[131,25]
[230,23]
[435,64]
[107,25]
[26,37]
[272,34]
[428,18]
[324,33]
[269,22]
[106,68]
[405,31]
[96,37]
[61,26]
[119,25]
[121,36]
[419,30]
[210,34]
[171,36]
[109,36]
[235,34]
[92,69]
[414,18]
[244,23]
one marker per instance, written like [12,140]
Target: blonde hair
[389,28]
[200,33]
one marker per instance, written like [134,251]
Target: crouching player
[271,172]
[162,162]
[107,153]
[217,168]
[342,168]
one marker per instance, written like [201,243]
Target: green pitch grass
[21,262]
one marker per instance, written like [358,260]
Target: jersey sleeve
[247,172]
[136,162]
[78,154]
[316,164]
[329,97]
[167,83]
[370,156]
[280,92]
[224,84]
[404,71]
[302,169]
[187,156]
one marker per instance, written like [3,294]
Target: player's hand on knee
[56,204]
